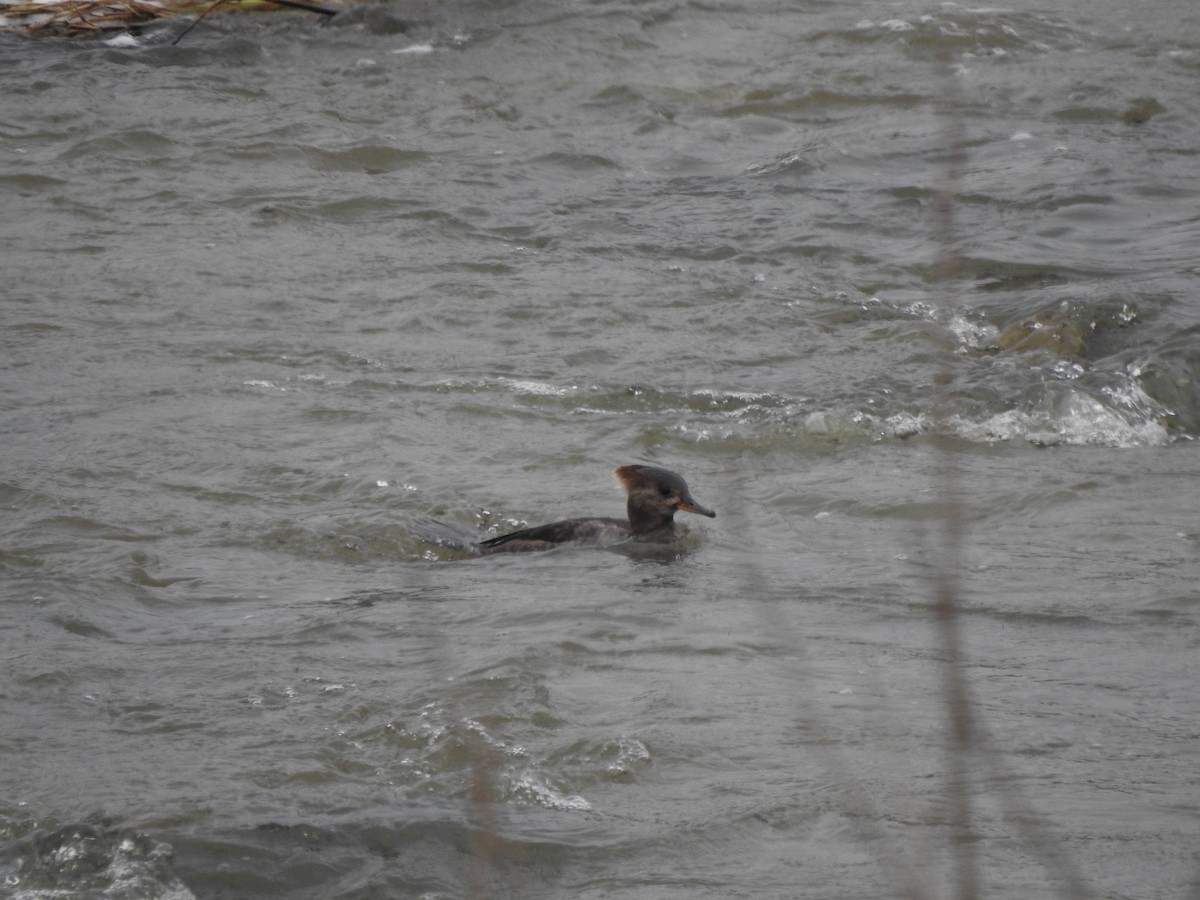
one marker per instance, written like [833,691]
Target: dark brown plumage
[655,495]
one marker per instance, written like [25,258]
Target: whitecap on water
[630,752]
[536,789]
[1072,416]
[540,388]
[1119,414]
[971,333]
[261,383]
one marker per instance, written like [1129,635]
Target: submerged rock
[1050,329]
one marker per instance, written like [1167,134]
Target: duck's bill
[697,509]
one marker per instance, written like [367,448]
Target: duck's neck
[642,520]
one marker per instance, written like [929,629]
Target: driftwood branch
[86,18]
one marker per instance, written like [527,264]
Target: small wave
[535,788]
[1074,417]
[1060,402]
[418,49]
[1119,418]
[538,388]
[95,860]
[629,754]
[981,32]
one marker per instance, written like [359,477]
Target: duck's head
[655,495]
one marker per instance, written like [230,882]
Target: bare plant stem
[947,589]
[196,21]
[486,845]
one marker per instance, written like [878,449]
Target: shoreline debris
[92,18]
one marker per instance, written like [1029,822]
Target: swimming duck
[655,495]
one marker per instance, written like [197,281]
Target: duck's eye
[665,491]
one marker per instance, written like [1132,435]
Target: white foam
[544,795]
[1077,418]
[540,388]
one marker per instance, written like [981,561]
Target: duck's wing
[575,532]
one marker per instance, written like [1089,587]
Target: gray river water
[907,291]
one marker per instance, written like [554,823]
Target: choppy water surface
[277,296]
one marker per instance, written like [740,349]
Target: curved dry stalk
[196,21]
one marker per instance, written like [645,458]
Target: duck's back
[597,532]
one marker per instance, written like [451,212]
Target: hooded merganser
[654,496]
